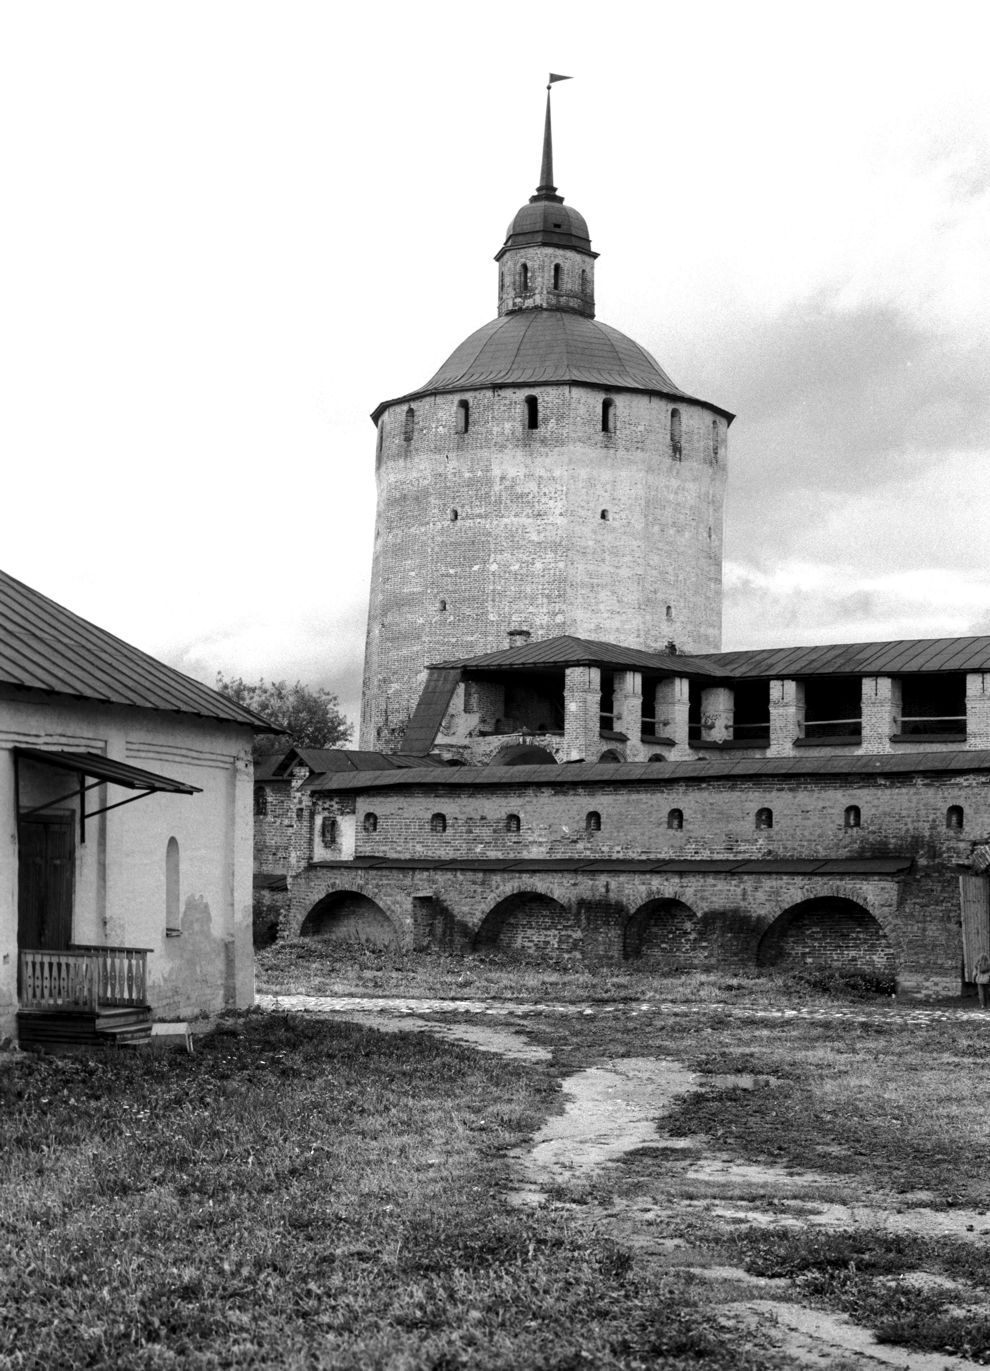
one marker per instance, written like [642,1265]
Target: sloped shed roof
[45,647]
[900,657]
[569,650]
[727,767]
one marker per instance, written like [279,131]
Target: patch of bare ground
[731,1166]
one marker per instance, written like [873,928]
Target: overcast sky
[231,229]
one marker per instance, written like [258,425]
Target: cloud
[802,602]
[855,425]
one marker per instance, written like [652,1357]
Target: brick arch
[879,900]
[350,916]
[829,931]
[530,923]
[669,934]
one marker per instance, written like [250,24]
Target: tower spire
[546,186]
[546,190]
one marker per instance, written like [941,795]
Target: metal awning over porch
[103,771]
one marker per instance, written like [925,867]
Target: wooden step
[105,1026]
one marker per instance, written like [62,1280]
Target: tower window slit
[532,411]
[608,416]
[524,277]
[556,276]
[463,416]
[715,440]
[409,425]
[604,516]
[675,434]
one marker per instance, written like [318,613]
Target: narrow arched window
[328,830]
[512,824]
[463,416]
[764,818]
[675,819]
[852,817]
[172,917]
[370,822]
[669,612]
[593,822]
[584,281]
[556,276]
[409,425]
[524,277]
[532,411]
[954,818]
[715,439]
[454,516]
[381,436]
[675,434]
[608,416]
[604,516]
[438,823]
[260,801]
[443,606]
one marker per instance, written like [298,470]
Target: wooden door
[45,862]
[974,900]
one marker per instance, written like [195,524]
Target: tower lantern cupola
[546,261]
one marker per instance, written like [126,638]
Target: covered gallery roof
[569,650]
[45,647]
[843,866]
[898,658]
[717,767]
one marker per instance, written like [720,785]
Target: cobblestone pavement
[884,1013]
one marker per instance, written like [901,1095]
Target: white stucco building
[126,816]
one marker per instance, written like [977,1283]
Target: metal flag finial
[546,186]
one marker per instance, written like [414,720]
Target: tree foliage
[312,717]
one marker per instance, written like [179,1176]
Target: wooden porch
[83,996]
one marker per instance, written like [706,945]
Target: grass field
[305,1193]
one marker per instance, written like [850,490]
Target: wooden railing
[83,977]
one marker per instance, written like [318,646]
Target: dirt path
[391,1004]
[615,1108]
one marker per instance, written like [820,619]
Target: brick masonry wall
[674,922]
[283,834]
[901,815]
[576,291]
[529,548]
[274,830]
[725,916]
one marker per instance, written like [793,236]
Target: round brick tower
[549,477]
